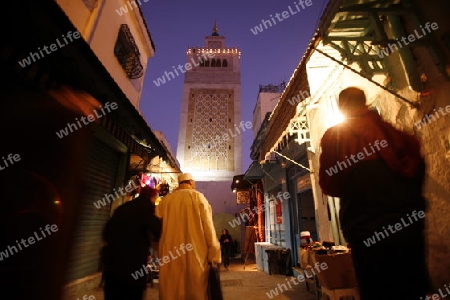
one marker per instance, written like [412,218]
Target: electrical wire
[293,161]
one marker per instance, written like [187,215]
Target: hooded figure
[377,172]
[188,243]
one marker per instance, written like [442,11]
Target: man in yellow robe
[188,243]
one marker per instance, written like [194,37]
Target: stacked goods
[339,274]
[306,254]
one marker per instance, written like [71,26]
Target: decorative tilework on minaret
[210,143]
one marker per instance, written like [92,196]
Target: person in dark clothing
[226,244]
[128,235]
[377,172]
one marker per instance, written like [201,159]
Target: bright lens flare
[335,119]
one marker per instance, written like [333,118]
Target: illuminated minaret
[209,141]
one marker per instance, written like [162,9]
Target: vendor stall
[329,269]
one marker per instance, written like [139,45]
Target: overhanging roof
[284,111]
[254,172]
[356,31]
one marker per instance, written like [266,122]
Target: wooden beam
[357,9]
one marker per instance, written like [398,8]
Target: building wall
[273,183]
[99,25]
[220,196]
[434,135]
[265,103]
[187,150]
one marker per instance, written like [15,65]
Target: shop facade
[407,88]
[119,145]
[281,162]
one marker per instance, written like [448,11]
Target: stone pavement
[248,284]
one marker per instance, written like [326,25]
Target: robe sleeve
[214,255]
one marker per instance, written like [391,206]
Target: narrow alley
[237,283]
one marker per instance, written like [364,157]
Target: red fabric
[261,218]
[402,153]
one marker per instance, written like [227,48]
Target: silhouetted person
[377,172]
[128,235]
[226,243]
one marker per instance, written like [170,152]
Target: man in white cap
[188,243]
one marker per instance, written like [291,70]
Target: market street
[237,283]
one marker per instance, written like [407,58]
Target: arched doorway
[222,221]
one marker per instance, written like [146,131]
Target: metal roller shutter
[101,172]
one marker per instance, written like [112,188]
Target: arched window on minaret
[213,62]
[224,63]
[207,63]
[218,63]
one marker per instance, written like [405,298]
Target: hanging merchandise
[151,181]
[163,188]
[142,179]
[146,180]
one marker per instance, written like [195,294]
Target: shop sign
[304,183]
[242,197]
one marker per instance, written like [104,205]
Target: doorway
[306,213]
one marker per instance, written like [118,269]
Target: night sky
[268,57]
